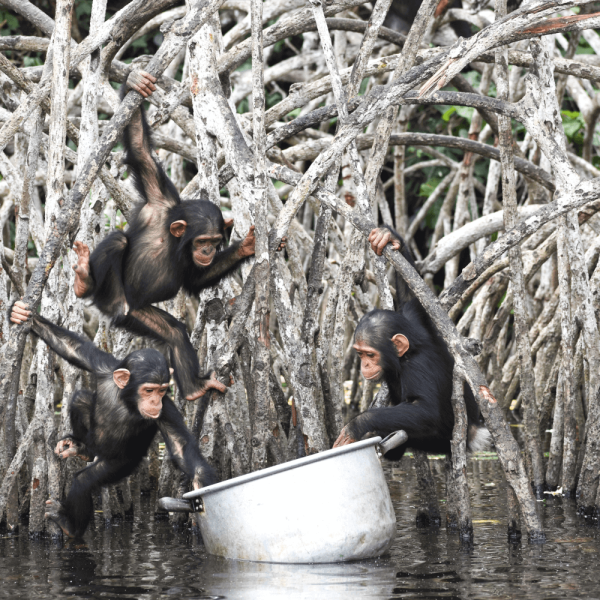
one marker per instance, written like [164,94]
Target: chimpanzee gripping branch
[67,219]
[506,445]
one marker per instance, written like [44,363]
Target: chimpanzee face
[204,248]
[150,397]
[370,360]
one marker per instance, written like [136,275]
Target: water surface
[148,559]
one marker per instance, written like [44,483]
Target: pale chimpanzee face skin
[150,399]
[370,360]
[204,248]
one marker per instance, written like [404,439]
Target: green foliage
[8,22]
[433,213]
[83,7]
[272,99]
[572,122]
[32,61]
[583,47]
[429,186]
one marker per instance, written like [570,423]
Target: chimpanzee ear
[228,223]
[178,228]
[401,344]
[121,377]
[171,370]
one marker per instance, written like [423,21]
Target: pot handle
[175,505]
[393,441]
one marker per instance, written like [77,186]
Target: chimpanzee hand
[68,447]
[282,244]
[379,239]
[212,384]
[20,312]
[83,280]
[248,244]
[344,438]
[142,82]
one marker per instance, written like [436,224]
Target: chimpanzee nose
[207,250]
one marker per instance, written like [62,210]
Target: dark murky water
[147,559]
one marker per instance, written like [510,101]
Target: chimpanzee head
[201,230]
[381,339]
[143,377]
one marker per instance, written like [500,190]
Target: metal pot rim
[288,466]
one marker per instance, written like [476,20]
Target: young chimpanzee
[169,244]
[404,349]
[114,425]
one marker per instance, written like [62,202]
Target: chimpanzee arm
[73,348]
[420,419]
[379,238]
[149,177]
[224,262]
[182,446]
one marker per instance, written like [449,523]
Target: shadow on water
[148,559]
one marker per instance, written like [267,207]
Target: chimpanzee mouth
[151,415]
[375,377]
[203,261]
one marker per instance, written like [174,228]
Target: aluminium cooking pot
[328,507]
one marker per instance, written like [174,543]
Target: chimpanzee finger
[378,243]
[19,313]
[148,76]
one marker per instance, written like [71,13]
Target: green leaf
[572,122]
[446,116]
[429,186]
[466,112]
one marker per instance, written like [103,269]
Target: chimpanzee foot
[54,513]
[212,384]
[142,82]
[68,447]
[83,281]
[343,439]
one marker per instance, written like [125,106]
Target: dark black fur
[402,13]
[419,382]
[107,424]
[147,264]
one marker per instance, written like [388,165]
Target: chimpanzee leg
[166,329]
[182,446]
[74,515]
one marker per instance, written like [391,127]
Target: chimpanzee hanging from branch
[404,349]
[169,244]
[114,425]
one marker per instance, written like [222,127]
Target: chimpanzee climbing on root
[169,244]
[404,349]
[115,424]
